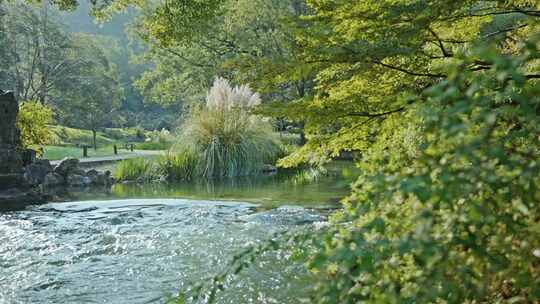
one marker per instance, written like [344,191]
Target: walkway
[93,161]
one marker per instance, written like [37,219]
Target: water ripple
[140,251]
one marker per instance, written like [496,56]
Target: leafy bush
[157,140]
[119,134]
[150,145]
[33,121]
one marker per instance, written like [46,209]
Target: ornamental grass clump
[225,137]
[136,169]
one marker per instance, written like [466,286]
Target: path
[93,161]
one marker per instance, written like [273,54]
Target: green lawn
[66,135]
[59,152]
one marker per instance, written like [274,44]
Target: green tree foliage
[35,48]
[69,72]
[33,121]
[90,100]
[370,56]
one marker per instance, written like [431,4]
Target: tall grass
[225,136]
[136,169]
[179,166]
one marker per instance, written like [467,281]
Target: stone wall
[10,159]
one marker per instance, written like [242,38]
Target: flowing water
[143,244]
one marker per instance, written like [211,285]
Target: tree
[27,70]
[90,99]
[455,218]
[370,56]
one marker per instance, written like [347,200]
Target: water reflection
[299,187]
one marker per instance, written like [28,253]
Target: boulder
[93,175]
[34,174]
[106,178]
[78,171]
[67,166]
[75,180]
[53,179]
[100,178]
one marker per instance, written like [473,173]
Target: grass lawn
[59,152]
[106,137]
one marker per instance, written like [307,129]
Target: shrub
[157,140]
[151,145]
[66,135]
[33,121]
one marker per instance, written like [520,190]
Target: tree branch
[371,115]
[406,71]
[505,30]
[185,59]
[440,43]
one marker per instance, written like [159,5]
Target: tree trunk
[301,87]
[303,139]
[94,134]
[44,64]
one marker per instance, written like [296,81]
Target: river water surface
[143,244]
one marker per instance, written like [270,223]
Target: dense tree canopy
[371,55]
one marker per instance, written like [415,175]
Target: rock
[93,175]
[78,171]
[100,178]
[67,166]
[269,168]
[53,179]
[35,173]
[9,108]
[75,180]
[11,166]
[14,191]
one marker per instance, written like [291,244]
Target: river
[146,243]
